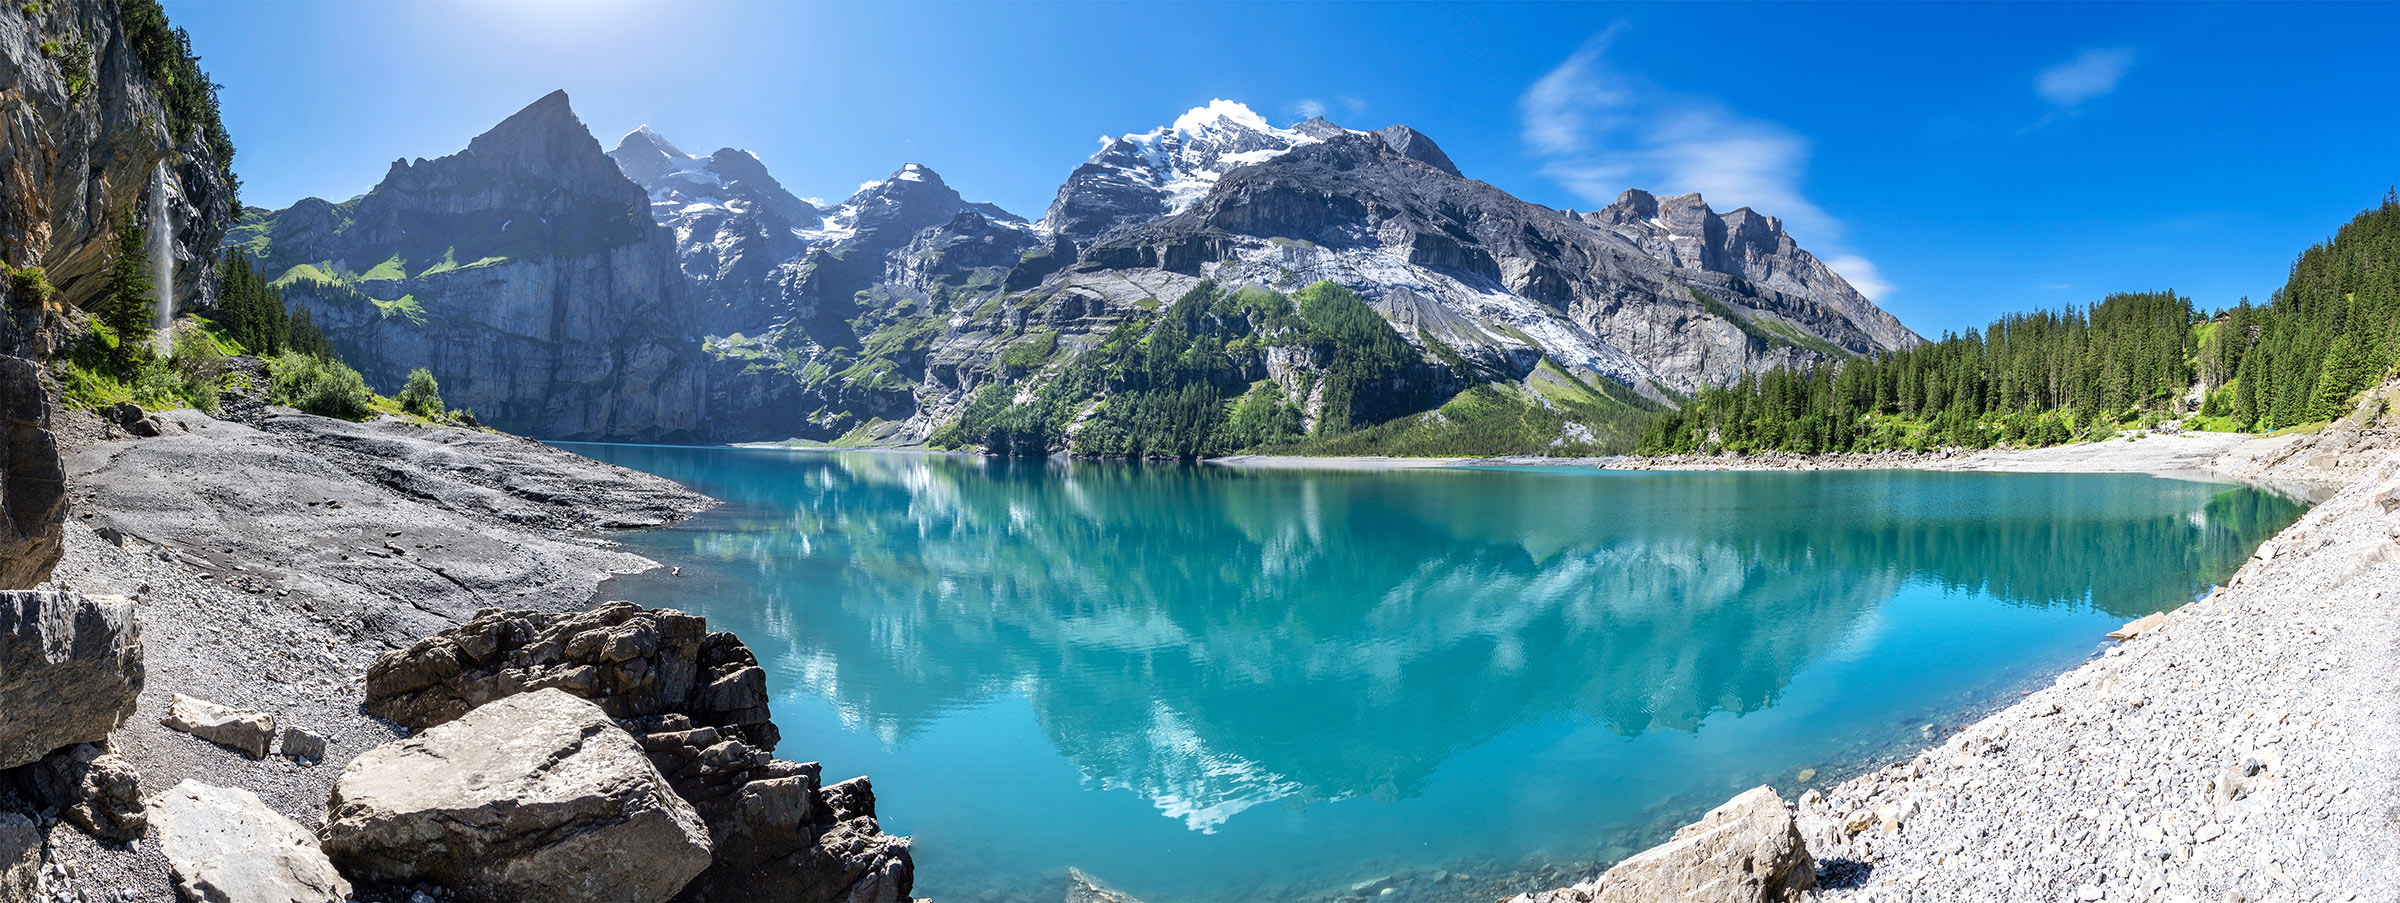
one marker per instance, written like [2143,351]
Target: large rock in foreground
[70,668]
[697,701]
[33,482]
[225,845]
[535,797]
[1745,851]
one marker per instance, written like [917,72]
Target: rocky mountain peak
[544,136]
[1318,127]
[646,156]
[1413,144]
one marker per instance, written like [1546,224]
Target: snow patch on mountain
[1184,160]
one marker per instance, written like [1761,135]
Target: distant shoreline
[2201,457]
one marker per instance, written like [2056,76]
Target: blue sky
[1955,160]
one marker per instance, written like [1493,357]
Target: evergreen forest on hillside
[2048,377]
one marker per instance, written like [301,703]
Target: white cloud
[1352,105]
[2092,73]
[1600,131]
[1309,108]
[1860,273]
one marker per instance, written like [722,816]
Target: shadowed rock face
[70,668]
[33,491]
[523,271]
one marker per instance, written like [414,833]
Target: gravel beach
[272,562]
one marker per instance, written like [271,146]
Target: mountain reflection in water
[1212,638]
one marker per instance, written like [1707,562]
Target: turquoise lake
[1203,682]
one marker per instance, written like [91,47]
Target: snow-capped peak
[654,139]
[1184,160]
[1202,117]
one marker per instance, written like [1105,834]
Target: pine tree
[127,304]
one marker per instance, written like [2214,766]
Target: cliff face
[524,271]
[83,134]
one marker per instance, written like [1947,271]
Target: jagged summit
[1141,176]
[545,134]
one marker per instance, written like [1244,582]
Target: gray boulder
[245,730]
[632,662]
[96,790]
[303,745]
[20,857]
[70,668]
[536,797]
[225,846]
[1746,851]
[33,486]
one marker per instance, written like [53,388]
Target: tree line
[2053,376]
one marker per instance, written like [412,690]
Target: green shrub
[28,287]
[423,395]
[318,386]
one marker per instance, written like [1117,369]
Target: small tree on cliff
[127,301]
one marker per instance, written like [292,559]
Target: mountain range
[646,293]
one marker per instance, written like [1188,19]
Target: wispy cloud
[2092,73]
[1600,131]
[1311,107]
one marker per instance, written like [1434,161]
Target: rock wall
[81,132]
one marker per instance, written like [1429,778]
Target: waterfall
[162,251]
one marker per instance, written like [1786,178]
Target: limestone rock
[1746,851]
[225,845]
[96,790]
[697,702]
[33,489]
[306,746]
[70,668]
[20,857]
[134,421]
[631,661]
[1083,888]
[250,732]
[2138,626]
[539,796]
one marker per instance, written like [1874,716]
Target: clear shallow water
[1205,683]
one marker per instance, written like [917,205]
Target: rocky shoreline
[265,566]
[2244,747]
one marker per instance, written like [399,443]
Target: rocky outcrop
[633,662]
[33,485]
[70,668]
[697,703]
[225,846]
[96,790]
[1746,851]
[250,732]
[536,797]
